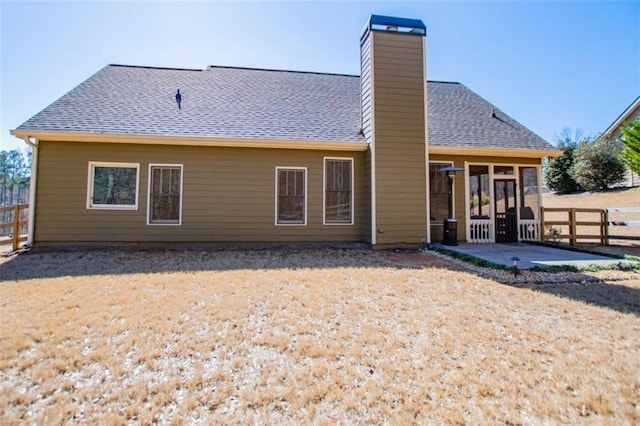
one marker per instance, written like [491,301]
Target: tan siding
[365,87]
[228,195]
[398,78]
[366,215]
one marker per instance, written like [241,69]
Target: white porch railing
[480,231]
[529,230]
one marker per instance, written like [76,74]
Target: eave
[191,141]
[622,118]
[264,143]
[494,152]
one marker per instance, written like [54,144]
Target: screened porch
[502,203]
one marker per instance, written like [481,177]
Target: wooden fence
[614,213]
[13,228]
[586,224]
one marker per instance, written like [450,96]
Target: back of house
[227,155]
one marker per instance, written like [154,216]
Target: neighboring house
[265,156]
[614,131]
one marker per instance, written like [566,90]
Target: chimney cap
[402,25]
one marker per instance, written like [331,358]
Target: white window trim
[306,195]
[149,177]
[324,192]
[90,178]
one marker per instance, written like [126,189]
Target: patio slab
[533,255]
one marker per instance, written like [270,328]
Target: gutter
[32,188]
[86,137]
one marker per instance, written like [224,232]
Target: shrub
[597,165]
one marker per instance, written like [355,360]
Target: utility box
[450,232]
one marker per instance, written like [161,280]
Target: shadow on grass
[593,292]
[568,282]
[118,261]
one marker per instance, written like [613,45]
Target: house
[614,131]
[235,155]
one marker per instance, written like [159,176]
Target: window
[438,191]
[479,192]
[529,203]
[338,191]
[165,194]
[291,188]
[113,186]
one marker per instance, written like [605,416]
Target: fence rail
[622,222]
[16,223]
[598,218]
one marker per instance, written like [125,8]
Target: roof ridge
[154,68]
[277,70]
[256,69]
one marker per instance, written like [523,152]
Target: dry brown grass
[622,197]
[319,336]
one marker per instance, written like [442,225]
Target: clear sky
[549,65]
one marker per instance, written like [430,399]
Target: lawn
[312,336]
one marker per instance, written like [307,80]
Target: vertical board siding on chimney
[365,87]
[398,88]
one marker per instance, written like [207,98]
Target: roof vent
[493,113]
[179,99]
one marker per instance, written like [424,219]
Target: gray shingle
[459,117]
[263,104]
[216,102]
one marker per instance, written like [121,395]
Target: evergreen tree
[14,177]
[557,171]
[631,140]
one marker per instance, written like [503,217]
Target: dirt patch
[310,336]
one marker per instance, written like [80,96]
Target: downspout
[32,188]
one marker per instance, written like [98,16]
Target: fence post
[541,224]
[572,226]
[16,227]
[605,226]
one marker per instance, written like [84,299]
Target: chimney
[394,111]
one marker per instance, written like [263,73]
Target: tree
[14,177]
[631,139]
[597,164]
[557,172]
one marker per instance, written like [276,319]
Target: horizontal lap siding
[228,195]
[365,88]
[398,79]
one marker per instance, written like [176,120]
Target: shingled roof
[224,102]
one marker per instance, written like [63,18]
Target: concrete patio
[534,255]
